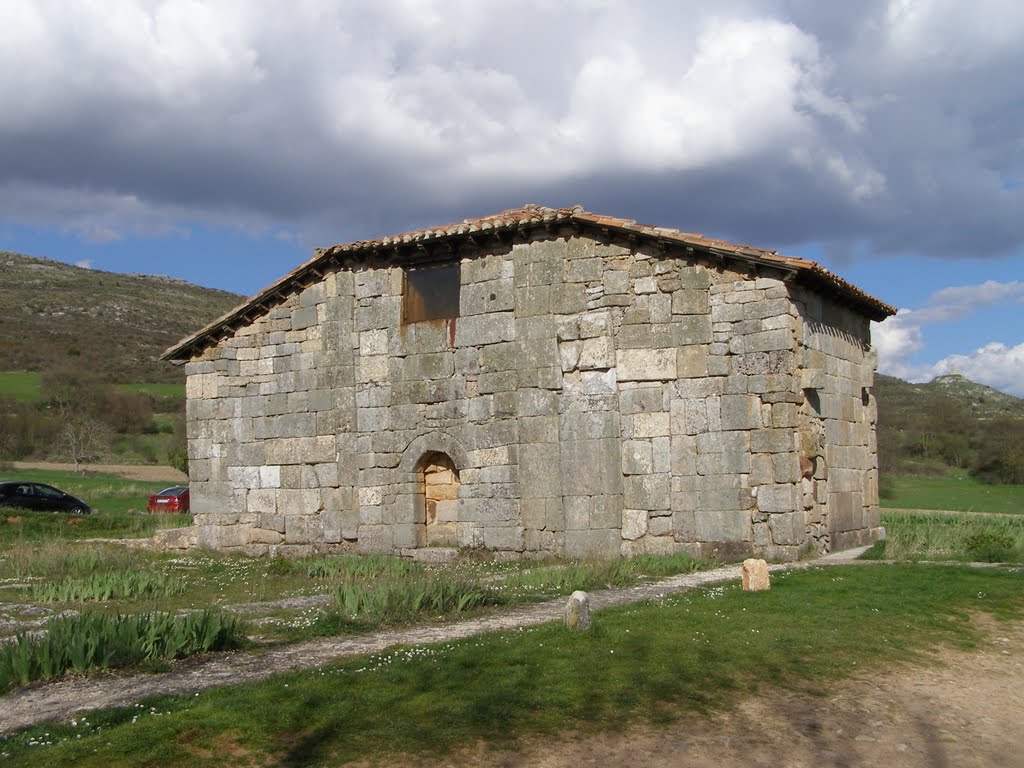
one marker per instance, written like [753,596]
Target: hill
[904,401]
[55,315]
[949,422]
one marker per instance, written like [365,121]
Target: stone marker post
[577,611]
[755,575]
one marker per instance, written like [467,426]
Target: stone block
[762,469]
[577,612]
[641,399]
[615,281]
[695,277]
[684,525]
[690,302]
[303,318]
[648,492]
[264,536]
[691,329]
[637,457]
[740,412]
[692,361]
[724,442]
[723,463]
[577,512]
[634,523]
[648,425]
[778,498]
[646,364]
[725,500]
[766,341]
[660,526]
[597,353]
[486,297]
[485,329]
[772,441]
[722,525]
[755,575]
[601,544]
[788,528]
[508,538]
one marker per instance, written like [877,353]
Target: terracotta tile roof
[524,219]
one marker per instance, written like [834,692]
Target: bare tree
[82,437]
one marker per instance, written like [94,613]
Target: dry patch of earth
[143,473]
[960,708]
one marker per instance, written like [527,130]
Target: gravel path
[65,699]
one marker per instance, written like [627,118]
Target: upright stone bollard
[755,575]
[577,611]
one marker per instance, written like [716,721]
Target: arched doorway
[439,479]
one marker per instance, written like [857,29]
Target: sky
[220,141]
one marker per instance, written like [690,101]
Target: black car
[41,497]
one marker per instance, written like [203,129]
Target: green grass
[120,507]
[156,390]
[19,527]
[956,491]
[25,385]
[697,651]
[108,585]
[103,492]
[91,641]
[20,385]
[966,538]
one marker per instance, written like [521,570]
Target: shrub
[989,547]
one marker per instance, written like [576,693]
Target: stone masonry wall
[837,426]
[596,400]
[270,411]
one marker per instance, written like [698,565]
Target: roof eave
[471,230]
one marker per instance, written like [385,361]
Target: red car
[170,501]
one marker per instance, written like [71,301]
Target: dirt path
[144,473]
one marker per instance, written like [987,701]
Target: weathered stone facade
[604,390]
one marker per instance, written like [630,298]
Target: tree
[82,437]
[1001,457]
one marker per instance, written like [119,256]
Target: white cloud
[772,121]
[166,100]
[84,263]
[950,34]
[900,337]
[995,364]
[897,338]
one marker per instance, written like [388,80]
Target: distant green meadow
[109,493]
[20,385]
[957,491]
[26,386]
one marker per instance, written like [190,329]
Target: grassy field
[956,491]
[25,385]
[697,651]
[160,390]
[965,538]
[20,385]
[107,493]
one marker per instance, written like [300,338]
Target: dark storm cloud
[896,125]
